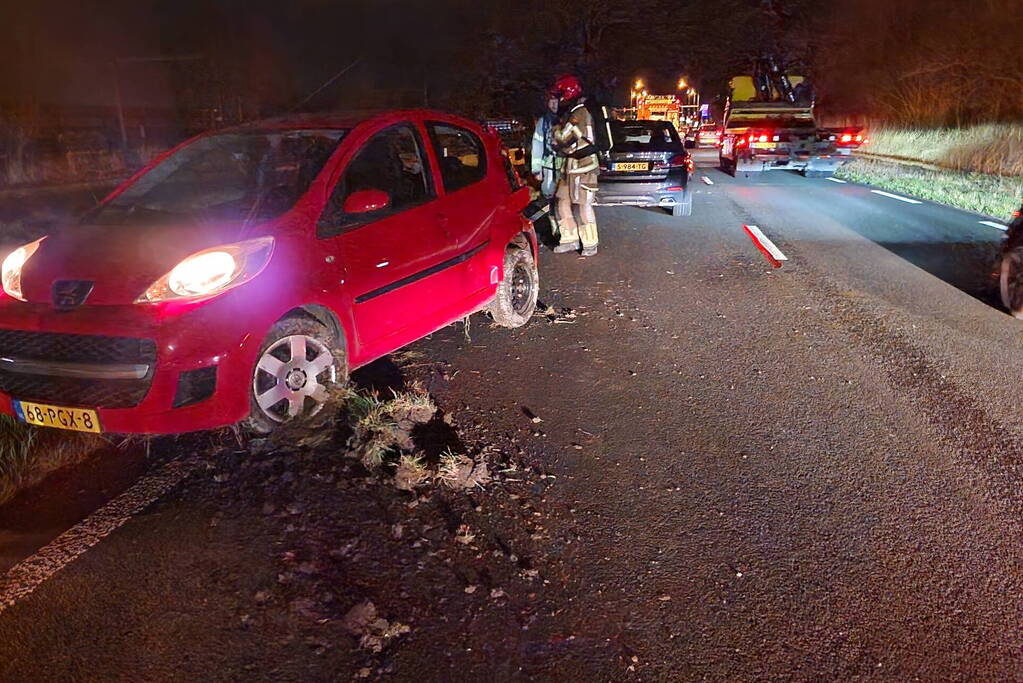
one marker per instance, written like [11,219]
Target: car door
[382,252]
[469,199]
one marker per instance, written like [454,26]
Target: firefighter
[543,161]
[573,137]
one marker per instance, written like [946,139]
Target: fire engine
[660,108]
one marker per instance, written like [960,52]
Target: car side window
[460,155]
[393,162]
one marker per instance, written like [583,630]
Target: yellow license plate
[42,415]
[631,166]
[763,145]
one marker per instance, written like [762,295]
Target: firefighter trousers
[579,190]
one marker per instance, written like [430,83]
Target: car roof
[344,119]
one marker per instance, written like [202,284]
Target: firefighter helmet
[567,87]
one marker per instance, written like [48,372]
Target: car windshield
[640,135]
[229,176]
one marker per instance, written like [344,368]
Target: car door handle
[383,264]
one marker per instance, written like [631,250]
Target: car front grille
[76,348]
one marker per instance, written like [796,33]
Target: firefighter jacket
[576,133]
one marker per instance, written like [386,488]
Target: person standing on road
[573,137]
[543,161]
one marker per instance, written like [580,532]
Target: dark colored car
[242,275]
[647,166]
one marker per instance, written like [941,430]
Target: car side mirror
[364,201]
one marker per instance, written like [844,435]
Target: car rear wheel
[297,377]
[683,208]
[516,294]
[1011,282]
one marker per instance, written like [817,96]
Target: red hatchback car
[244,273]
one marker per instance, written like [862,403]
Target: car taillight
[677,160]
[846,138]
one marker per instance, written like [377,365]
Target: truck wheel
[1010,282]
[683,208]
[516,294]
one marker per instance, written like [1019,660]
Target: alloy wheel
[293,377]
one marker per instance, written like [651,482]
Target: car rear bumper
[662,192]
[143,370]
[790,162]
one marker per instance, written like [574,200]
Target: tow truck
[769,125]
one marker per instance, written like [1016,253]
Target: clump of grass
[988,194]
[28,454]
[411,407]
[412,472]
[381,436]
[462,472]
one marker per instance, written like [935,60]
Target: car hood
[120,260]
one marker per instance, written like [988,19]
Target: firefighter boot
[568,230]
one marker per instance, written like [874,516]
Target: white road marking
[23,578]
[992,224]
[895,196]
[706,180]
[835,180]
[766,243]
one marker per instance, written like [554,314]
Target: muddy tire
[299,372]
[516,294]
[1010,282]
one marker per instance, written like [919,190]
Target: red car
[244,273]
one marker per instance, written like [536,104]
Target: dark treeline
[933,62]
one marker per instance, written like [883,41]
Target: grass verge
[980,167]
[987,149]
[28,454]
[992,195]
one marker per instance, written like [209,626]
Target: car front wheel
[1010,282]
[516,294]
[298,375]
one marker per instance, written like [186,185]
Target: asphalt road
[808,472]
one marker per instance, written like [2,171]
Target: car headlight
[10,271]
[211,271]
